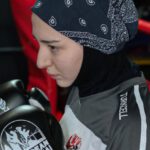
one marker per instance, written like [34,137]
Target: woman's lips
[56,77]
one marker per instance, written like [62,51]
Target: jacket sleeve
[132,130]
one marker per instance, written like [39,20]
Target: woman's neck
[100,72]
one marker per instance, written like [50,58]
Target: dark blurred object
[143,7]
[139,48]
[13,66]
[139,3]
[8,34]
[12,61]
[139,51]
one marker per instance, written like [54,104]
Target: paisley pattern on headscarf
[105,25]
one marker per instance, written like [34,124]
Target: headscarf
[104,25]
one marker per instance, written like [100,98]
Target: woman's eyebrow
[49,41]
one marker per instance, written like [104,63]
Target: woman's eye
[53,49]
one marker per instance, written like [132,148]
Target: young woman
[81,46]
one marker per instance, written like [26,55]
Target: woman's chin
[63,84]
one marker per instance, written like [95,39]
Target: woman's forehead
[46,34]
[39,26]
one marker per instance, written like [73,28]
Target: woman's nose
[43,58]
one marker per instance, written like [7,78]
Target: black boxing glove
[37,97]
[24,127]
[12,94]
[28,128]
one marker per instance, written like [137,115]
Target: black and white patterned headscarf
[105,25]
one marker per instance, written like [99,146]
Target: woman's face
[59,55]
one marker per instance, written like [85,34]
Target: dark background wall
[12,61]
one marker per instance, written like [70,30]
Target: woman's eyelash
[51,46]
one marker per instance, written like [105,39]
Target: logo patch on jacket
[123,109]
[74,142]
